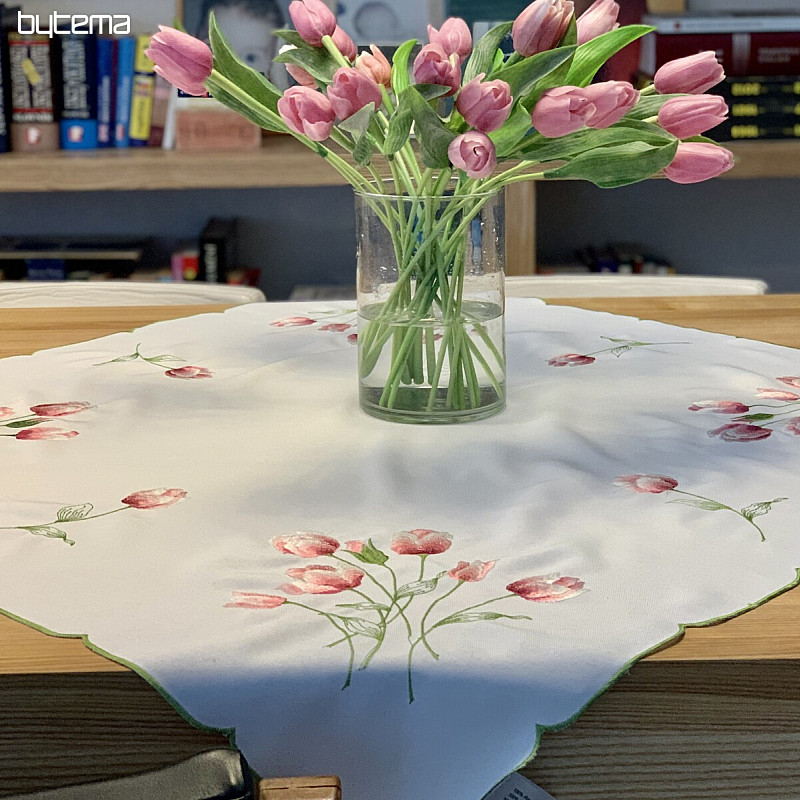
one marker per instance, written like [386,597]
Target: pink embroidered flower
[255,600]
[740,432]
[649,484]
[59,409]
[292,322]
[354,546]
[776,394]
[318,579]
[6,412]
[547,588]
[336,327]
[720,406]
[353,338]
[471,572]
[43,432]
[570,360]
[790,381]
[794,426]
[421,542]
[306,544]
[154,498]
[188,373]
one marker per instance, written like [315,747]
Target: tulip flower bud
[691,75]
[307,112]
[181,59]
[312,19]
[453,37]
[485,106]
[375,66]
[599,18]
[301,76]
[351,90]
[541,26]
[561,111]
[433,65]
[345,45]
[474,152]
[685,117]
[697,161]
[612,100]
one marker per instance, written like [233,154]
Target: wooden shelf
[281,162]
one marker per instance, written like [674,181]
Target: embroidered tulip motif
[649,484]
[571,360]
[322,579]
[59,409]
[547,588]
[45,432]
[255,600]
[154,498]
[471,572]
[421,541]
[720,407]
[790,381]
[306,544]
[776,394]
[188,373]
[741,432]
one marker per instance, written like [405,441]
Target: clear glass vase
[431,331]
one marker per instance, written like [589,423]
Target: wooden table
[716,715]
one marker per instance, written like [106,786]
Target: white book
[727,23]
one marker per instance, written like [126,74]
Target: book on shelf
[5,97]
[162,93]
[185,262]
[106,90]
[79,92]
[125,63]
[142,92]
[217,248]
[202,123]
[35,91]
[745,44]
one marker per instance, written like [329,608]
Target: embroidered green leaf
[400,77]
[163,359]
[370,554]
[419,587]
[131,357]
[24,423]
[626,341]
[48,531]
[748,417]
[72,513]
[362,627]
[759,509]
[477,616]
[705,505]
[484,54]
[618,351]
[363,606]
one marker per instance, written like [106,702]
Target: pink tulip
[307,112]
[453,37]
[344,44]
[312,19]
[599,18]
[790,381]
[354,546]
[474,152]
[189,373]
[739,432]
[571,360]
[181,59]
[547,588]
[59,409]
[720,406]
[336,327]
[45,432]
[485,106]
[612,100]
[352,338]
[154,498]
[306,544]
[646,484]
[421,542]
[776,394]
[561,111]
[685,117]
[351,90]
[794,426]
[301,76]
[433,65]
[318,579]
[541,26]
[375,65]
[292,322]
[690,75]
[697,161]
[255,600]
[6,412]
[471,572]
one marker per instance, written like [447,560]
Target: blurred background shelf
[280,162]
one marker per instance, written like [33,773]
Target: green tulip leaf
[524,77]
[24,423]
[418,587]
[507,138]
[703,505]
[291,37]
[434,138]
[317,61]
[261,117]
[356,125]
[400,77]
[48,531]
[589,57]
[370,554]
[477,616]
[72,513]
[759,509]
[571,36]
[650,105]
[485,51]
[399,129]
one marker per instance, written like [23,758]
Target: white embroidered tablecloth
[405,606]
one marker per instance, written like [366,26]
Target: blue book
[79,92]
[5,98]
[105,91]
[126,56]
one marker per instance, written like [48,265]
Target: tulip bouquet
[426,144]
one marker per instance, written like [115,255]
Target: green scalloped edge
[230,733]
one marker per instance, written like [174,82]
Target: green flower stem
[330,46]
[7,422]
[360,568]
[726,508]
[472,608]
[338,627]
[648,90]
[487,340]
